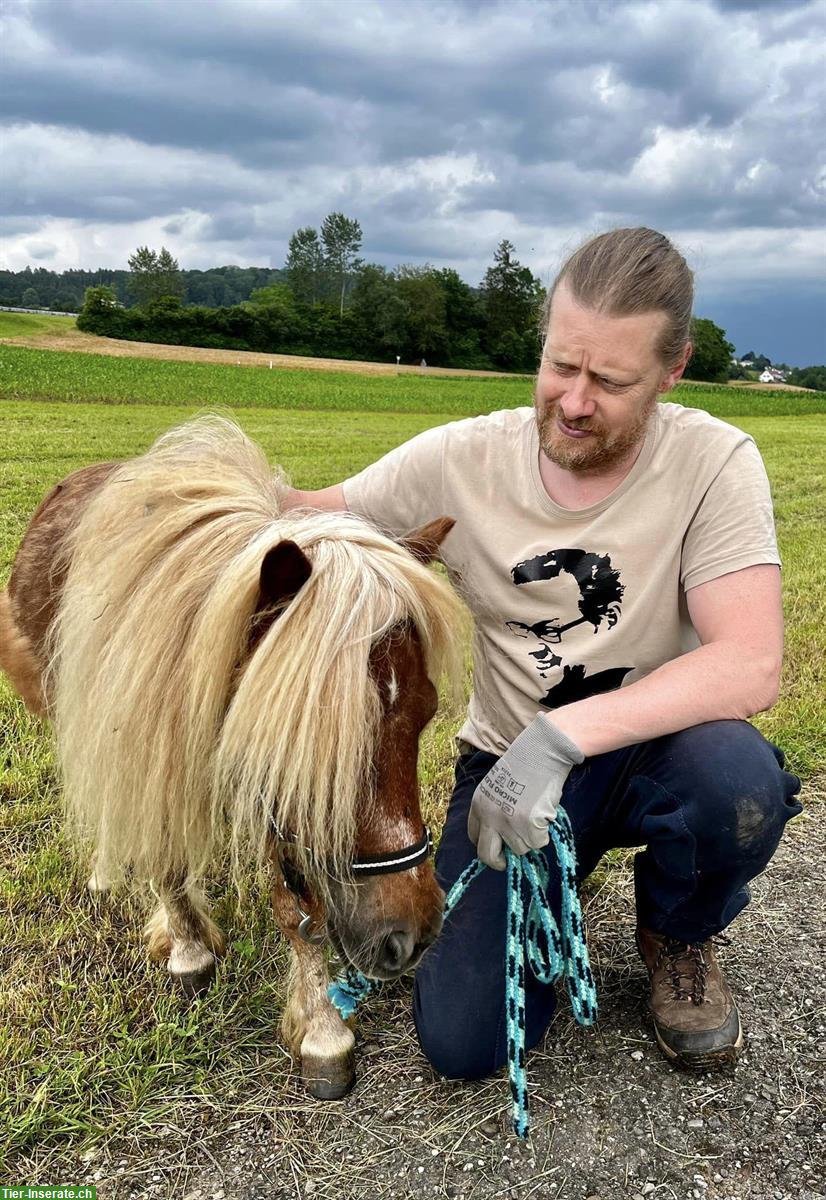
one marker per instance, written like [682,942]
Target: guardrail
[46,312]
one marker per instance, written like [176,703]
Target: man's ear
[675,373]
[284,570]
[424,543]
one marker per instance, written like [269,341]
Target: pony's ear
[284,569]
[424,543]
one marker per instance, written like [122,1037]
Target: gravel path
[610,1117]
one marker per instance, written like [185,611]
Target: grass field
[34,325]
[30,374]
[94,1047]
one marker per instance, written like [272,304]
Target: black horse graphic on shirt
[600,602]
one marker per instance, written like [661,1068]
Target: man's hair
[629,271]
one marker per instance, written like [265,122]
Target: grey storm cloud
[443,125]
[520,78]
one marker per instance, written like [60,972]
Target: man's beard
[599,451]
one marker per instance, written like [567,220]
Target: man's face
[598,384]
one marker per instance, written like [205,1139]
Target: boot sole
[709,1060]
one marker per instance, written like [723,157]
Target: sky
[219,127]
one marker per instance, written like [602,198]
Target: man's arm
[734,674]
[329,499]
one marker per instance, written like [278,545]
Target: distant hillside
[63,291]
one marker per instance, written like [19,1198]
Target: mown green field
[33,324]
[94,1047]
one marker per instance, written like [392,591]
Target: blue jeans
[708,804]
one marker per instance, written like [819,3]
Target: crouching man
[619,559]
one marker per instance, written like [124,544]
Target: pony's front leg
[319,1041]
[181,932]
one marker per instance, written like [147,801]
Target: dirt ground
[611,1118]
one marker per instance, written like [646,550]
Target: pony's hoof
[328,1079]
[192,968]
[194,983]
[97,889]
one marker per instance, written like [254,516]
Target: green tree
[64,302]
[342,241]
[276,313]
[735,372]
[809,377]
[379,312]
[424,301]
[305,265]
[757,362]
[101,311]
[153,275]
[507,351]
[512,297]
[274,296]
[30,298]
[711,356]
[170,274]
[464,321]
[100,299]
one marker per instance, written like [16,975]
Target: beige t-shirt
[570,603]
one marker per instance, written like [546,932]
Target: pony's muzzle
[395,952]
[400,949]
[383,926]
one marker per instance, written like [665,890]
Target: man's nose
[577,401]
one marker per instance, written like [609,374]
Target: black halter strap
[396,860]
[381,864]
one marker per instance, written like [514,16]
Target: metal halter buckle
[305,926]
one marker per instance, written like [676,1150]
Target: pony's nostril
[396,950]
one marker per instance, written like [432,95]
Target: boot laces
[689,962]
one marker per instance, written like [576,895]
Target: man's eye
[563,368]
[611,384]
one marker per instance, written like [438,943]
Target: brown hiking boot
[695,1017]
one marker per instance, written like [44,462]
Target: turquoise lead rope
[552,953]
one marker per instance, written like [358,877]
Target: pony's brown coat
[29,605]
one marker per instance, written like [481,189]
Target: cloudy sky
[218,127]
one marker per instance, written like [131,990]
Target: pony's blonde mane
[173,739]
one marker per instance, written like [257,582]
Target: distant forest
[64,291]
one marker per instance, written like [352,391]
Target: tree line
[328,302]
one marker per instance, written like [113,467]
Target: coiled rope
[551,954]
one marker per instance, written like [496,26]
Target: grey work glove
[520,793]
